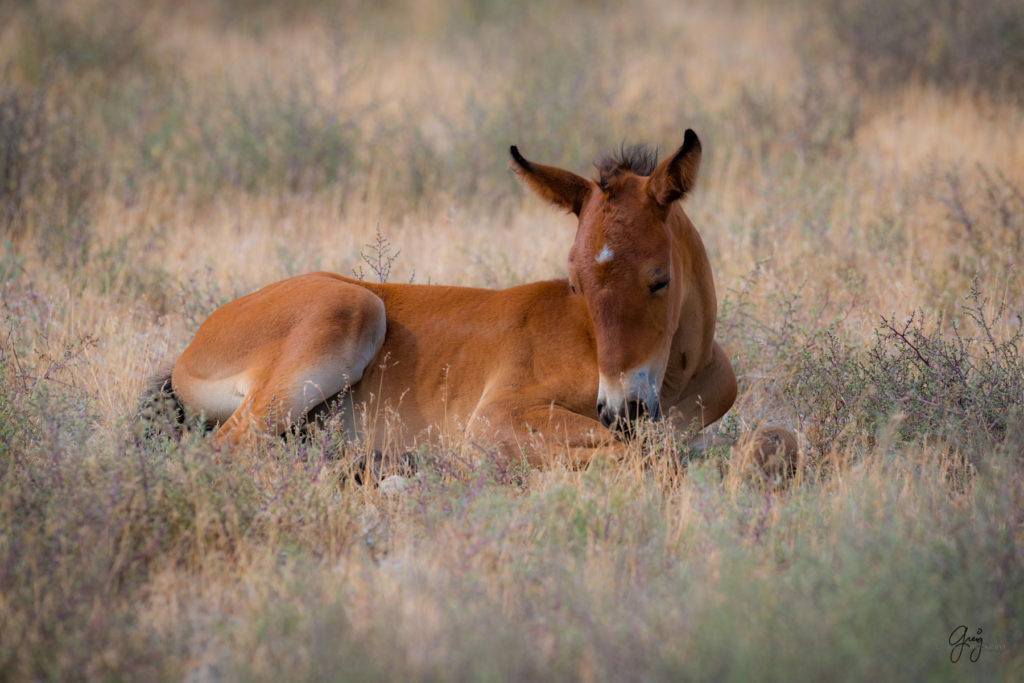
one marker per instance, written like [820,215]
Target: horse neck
[688,251]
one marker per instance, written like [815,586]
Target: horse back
[447,349]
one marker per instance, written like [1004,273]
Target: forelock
[638,159]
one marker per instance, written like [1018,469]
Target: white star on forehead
[605,256]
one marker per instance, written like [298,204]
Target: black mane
[638,159]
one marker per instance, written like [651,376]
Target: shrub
[99,44]
[49,172]
[964,387]
[23,133]
[267,136]
[948,43]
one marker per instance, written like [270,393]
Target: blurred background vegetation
[97,97]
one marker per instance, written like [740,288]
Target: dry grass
[164,158]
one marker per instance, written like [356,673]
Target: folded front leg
[543,433]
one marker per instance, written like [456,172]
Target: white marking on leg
[605,256]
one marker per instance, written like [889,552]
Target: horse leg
[291,391]
[771,449]
[325,335]
[707,397]
[544,433]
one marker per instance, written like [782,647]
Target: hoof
[394,485]
[773,450]
[374,468]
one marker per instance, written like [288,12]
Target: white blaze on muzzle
[626,398]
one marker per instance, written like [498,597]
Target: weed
[378,257]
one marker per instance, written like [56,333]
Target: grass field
[862,201]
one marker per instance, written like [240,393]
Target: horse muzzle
[621,404]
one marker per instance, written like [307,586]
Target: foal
[562,367]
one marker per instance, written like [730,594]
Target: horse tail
[160,411]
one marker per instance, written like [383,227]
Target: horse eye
[658,286]
[572,287]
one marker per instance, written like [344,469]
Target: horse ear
[676,176]
[561,188]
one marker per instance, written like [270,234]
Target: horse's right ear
[675,177]
[561,188]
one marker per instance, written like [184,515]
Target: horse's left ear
[676,176]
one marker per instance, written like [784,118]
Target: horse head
[627,266]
